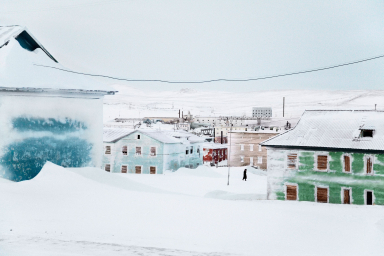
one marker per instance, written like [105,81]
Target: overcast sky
[198,40]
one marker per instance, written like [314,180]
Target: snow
[88,211]
[334,129]
[133,102]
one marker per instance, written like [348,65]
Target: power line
[218,79]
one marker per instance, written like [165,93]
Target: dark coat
[245,174]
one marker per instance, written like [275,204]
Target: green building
[331,156]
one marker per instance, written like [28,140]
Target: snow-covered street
[190,212]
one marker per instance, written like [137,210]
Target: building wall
[214,155]
[169,156]
[39,127]
[116,159]
[241,156]
[306,177]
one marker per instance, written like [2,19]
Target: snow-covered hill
[133,102]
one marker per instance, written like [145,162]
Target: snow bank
[201,171]
[219,194]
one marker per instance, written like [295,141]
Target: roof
[116,134]
[25,65]
[192,138]
[214,145]
[333,129]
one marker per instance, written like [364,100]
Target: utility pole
[229,151]
[283,105]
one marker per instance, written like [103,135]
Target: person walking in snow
[245,175]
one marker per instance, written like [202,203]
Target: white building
[263,113]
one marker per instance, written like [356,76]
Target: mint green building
[148,151]
[329,157]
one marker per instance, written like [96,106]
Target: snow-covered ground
[132,102]
[190,212]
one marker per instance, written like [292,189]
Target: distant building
[245,148]
[331,156]
[263,113]
[46,114]
[150,151]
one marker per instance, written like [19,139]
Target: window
[292,161]
[321,195]
[322,162]
[153,151]
[152,169]
[124,150]
[138,136]
[107,150]
[259,147]
[198,150]
[107,168]
[369,165]
[124,169]
[259,159]
[366,133]
[242,159]
[291,192]
[251,161]
[242,147]
[138,169]
[191,149]
[187,151]
[251,147]
[369,197]
[346,196]
[347,164]
[138,151]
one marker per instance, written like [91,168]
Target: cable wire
[218,79]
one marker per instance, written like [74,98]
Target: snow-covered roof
[115,134]
[192,138]
[214,145]
[26,65]
[334,129]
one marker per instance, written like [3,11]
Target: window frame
[121,168]
[150,169]
[259,159]
[260,148]
[321,186]
[316,161]
[350,163]
[365,165]
[105,167]
[285,190]
[141,169]
[150,151]
[350,194]
[296,161]
[110,150]
[141,151]
[250,147]
[365,196]
[241,147]
[242,159]
[122,150]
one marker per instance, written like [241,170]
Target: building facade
[245,149]
[47,114]
[263,113]
[214,153]
[149,151]
[329,157]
